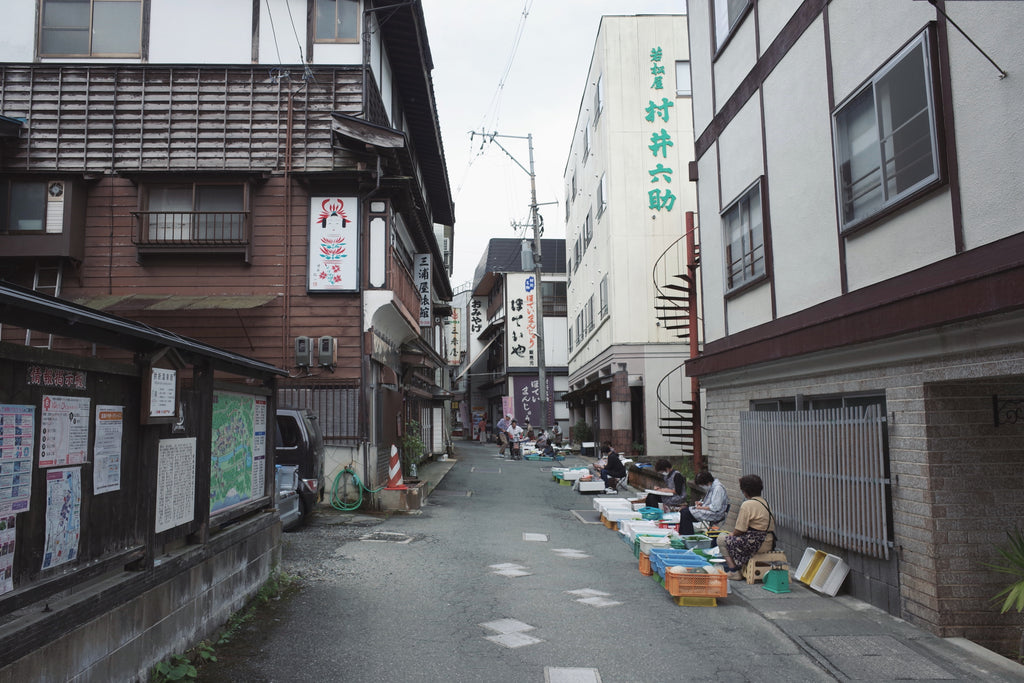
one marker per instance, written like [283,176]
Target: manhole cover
[386,537]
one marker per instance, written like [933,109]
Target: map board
[238,449]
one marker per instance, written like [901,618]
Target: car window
[288,433]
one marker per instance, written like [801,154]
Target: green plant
[413,446]
[638,448]
[1013,553]
[581,432]
[177,668]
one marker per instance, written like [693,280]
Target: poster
[7,538]
[521,320]
[175,483]
[17,442]
[526,394]
[163,387]
[238,449]
[106,472]
[333,244]
[64,431]
[63,515]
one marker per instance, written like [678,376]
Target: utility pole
[537,263]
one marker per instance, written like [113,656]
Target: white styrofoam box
[643,526]
[617,515]
[591,486]
[602,503]
[806,562]
[648,542]
[670,518]
[830,575]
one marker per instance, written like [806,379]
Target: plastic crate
[830,575]
[669,557]
[692,601]
[809,565]
[697,541]
[696,584]
[645,565]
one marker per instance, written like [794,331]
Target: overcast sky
[472,43]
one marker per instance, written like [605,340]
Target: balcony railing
[219,231]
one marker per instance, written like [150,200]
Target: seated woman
[613,470]
[712,508]
[755,528]
[674,488]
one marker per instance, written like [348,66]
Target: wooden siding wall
[146,118]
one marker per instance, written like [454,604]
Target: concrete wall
[132,620]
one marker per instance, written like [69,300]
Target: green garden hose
[337,502]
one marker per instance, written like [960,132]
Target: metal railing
[191,228]
[336,407]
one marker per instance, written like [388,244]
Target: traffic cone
[395,471]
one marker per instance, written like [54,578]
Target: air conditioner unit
[303,352]
[327,352]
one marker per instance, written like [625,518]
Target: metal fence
[337,406]
[825,473]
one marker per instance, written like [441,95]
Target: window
[194,214]
[586,142]
[588,313]
[91,28]
[588,230]
[337,21]
[574,184]
[22,206]
[568,271]
[603,296]
[598,97]
[683,87]
[579,327]
[727,15]
[885,137]
[744,238]
[554,298]
[578,251]
[602,194]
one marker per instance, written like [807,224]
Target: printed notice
[162,387]
[17,441]
[64,431]
[63,516]
[106,471]
[7,537]
[259,447]
[175,483]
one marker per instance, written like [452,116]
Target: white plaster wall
[801,191]
[904,242]
[712,269]
[989,141]
[203,32]
[741,152]
[338,53]
[751,308]
[19,32]
[700,65]
[556,343]
[772,15]
[889,26]
[735,61]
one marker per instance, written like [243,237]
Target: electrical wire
[338,501]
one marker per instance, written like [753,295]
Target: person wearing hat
[501,431]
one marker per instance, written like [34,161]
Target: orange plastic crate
[696,584]
[645,564]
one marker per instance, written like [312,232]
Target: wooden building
[184,165]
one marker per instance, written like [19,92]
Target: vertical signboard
[333,244]
[421,271]
[521,320]
[526,399]
[453,336]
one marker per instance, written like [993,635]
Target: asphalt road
[419,597]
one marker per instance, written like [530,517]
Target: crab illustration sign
[334,244]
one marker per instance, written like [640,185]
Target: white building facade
[861,266]
[627,193]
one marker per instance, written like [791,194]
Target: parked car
[300,442]
[286,496]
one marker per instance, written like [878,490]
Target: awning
[362,131]
[10,128]
[173,302]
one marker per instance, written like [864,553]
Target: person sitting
[754,531]
[712,508]
[674,488]
[613,470]
[556,435]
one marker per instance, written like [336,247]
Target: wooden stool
[759,564]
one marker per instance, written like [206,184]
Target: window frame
[336,40]
[602,290]
[719,42]
[842,154]
[602,194]
[688,92]
[732,285]
[90,30]
[199,233]
[7,205]
[588,229]
[598,98]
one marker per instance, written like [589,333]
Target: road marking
[507,626]
[509,569]
[485,470]
[598,602]
[561,674]
[570,553]
[527,536]
[587,592]
[514,640]
[592,597]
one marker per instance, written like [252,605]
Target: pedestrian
[515,436]
[482,434]
[501,432]
[556,435]
[711,509]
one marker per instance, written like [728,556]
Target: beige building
[627,193]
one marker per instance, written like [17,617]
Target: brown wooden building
[287,211]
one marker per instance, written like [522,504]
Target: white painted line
[527,536]
[506,565]
[507,626]
[587,592]
[561,674]
[511,572]
[570,553]
[598,602]
[514,640]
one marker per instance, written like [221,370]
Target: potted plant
[413,447]
[581,432]
[637,448]
[1013,553]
